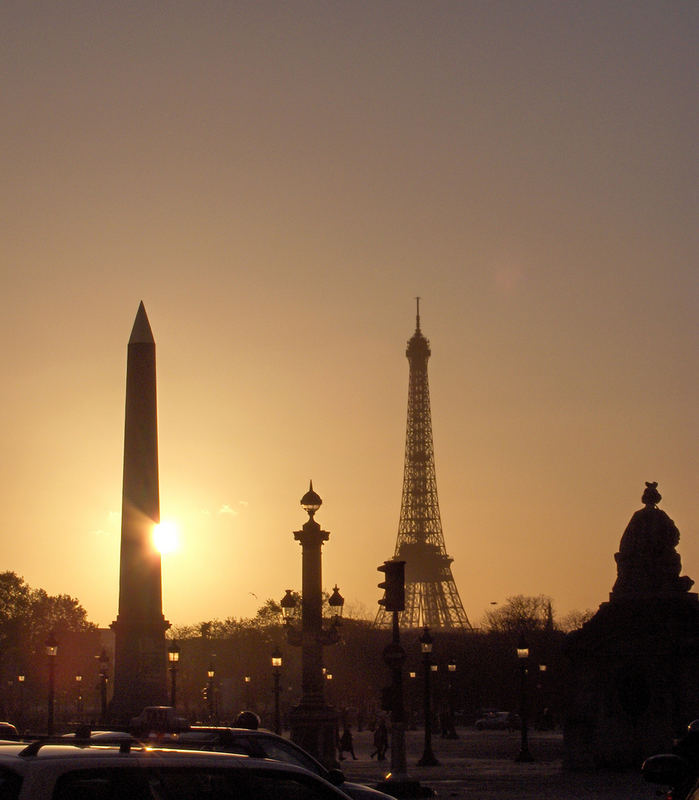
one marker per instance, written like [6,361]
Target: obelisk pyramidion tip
[141,332]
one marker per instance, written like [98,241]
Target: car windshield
[281,751]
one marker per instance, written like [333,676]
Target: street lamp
[79,699]
[276,673]
[412,676]
[103,661]
[523,657]
[248,694]
[428,758]
[51,653]
[210,674]
[20,680]
[173,656]
[289,607]
[450,732]
[336,602]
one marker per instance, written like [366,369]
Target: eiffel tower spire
[431,596]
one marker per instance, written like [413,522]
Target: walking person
[346,745]
[380,741]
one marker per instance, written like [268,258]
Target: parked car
[158,718]
[265,744]
[499,721]
[8,731]
[44,770]
[673,771]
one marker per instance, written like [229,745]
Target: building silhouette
[431,596]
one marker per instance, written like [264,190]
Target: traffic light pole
[397,783]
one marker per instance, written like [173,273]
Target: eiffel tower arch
[431,596]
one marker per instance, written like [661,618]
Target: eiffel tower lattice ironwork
[431,596]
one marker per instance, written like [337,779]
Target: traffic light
[393,586]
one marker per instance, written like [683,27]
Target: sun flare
[166,537]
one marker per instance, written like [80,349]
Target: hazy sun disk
[166,537]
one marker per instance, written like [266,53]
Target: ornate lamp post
[434,681]
[412,676]
[79,697]
[20,679]
[276,674]
[103,661]
[51,653]
[450,732]
[210,674]
[247,680]
[428,758]
[313,723]
[523,657]
[173,657]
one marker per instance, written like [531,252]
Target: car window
[187,783]
[214,742]
[281,751]
[103,784]
[277,786]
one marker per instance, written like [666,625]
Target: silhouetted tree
[574,620]
[520,613]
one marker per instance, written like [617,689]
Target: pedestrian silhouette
[380,741]
[345,745]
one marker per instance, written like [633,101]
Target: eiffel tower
[431,596]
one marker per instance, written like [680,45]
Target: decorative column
[313,723]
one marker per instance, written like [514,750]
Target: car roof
[18,755]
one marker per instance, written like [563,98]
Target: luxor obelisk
[140,658]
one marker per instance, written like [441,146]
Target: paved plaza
[480,764]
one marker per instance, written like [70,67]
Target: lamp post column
[51,653]
[523,657]
[104,668]
[211,672]
[173,656]
[20,680]
[79,697]
[428,758]
[276,674]
[451,725]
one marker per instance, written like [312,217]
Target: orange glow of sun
[166,537]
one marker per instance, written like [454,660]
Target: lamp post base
[404,787]
[314,728]
[428,759]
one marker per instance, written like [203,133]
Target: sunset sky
[277,181]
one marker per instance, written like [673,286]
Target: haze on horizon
[277,182]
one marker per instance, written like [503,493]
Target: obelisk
[140,659]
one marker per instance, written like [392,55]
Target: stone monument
[633,666]
[140,657]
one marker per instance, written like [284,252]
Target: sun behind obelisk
[140,658]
